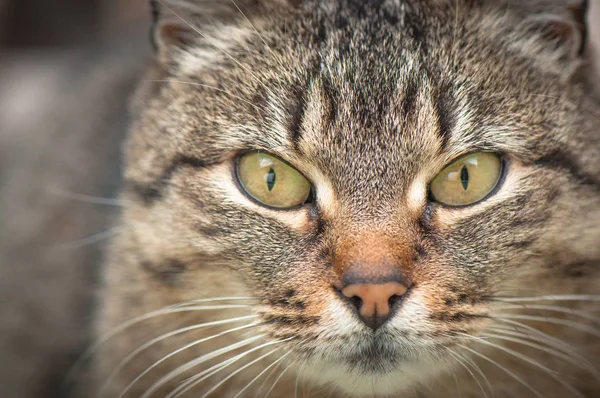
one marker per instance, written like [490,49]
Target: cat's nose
[374,301]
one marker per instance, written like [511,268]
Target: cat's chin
[367,380]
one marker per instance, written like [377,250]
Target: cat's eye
[468,179]
[271,181]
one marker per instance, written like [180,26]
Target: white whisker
[277,380]
[509,351]
[126,325]
[206,86]
[550,372]
[96,200]
[195,380]
[260,374]
[205,374]
[219,299]
[219,384]
[517,326]
[90,240]
[257,33]
[514,376]
[298,378]
[552,308]
[557,297]
[460,359]
[457,384]
[557,321]
[212,42]
[191,364]
[167,335]
[473,365]
[565,356]
[266,380]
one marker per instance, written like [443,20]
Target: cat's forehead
[370,133]
[381,106]
[373,97]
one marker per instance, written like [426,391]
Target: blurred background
[65,23]
[67,68]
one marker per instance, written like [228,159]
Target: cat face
[370,276]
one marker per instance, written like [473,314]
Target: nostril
[393,300]
[356,302]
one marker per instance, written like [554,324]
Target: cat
[335,198]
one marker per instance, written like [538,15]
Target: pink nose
[373,301]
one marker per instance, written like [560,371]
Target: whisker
[557,297]
[552,308]
[510,351]
[195,380]
[256,31]
[460,359]
[76,368]
[514,376]
[549,350]
[298,378]
[266,380]
[517,326]
[205,37]
[545,339]
[260,374]
[457,384]
[331,392]
[557,321]
[277,380]
[548,371]
[96,200]
[206,86]
[205,374]
[219,299]
[90,240]
[167,335]
[469,361]
[219,384]
[191,364]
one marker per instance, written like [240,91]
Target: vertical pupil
[270,178]
[464,177]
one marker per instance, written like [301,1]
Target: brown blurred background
[52,23]
[67,68]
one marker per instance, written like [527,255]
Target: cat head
[376,173]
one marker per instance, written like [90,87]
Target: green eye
[271,181]
[467,180]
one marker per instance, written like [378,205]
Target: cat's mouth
[372,365]
[377,356]
[384,351]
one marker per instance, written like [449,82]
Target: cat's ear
[560,26]
[179,24]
